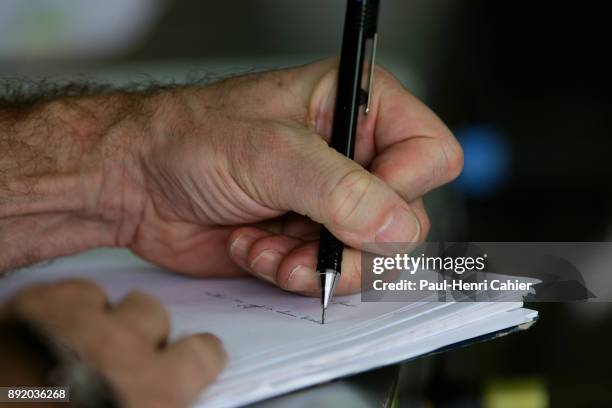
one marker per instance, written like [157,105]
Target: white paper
[274,340]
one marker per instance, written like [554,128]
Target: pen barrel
[362,15]
[370,18]
[360,24]
[330,252]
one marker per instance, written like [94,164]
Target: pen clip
[374,41]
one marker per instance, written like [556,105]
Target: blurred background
[524,85]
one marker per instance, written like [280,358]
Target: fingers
[288,262]
[352,203]
[34,303]
[358,207]
[297,271]
[265,255]
[79,291]
[145,315]
[194,362]
[122,343]
[188,248]
[293,225]
[401,140]
[416,151]
[416,166]
[406,147]
[420,212]
[241,241]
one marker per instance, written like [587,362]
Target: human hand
[125,343]
[237,176]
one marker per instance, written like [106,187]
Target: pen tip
[323,316]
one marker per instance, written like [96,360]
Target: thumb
[356,206]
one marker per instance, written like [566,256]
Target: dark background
[524,85]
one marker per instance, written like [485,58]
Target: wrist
[66,180]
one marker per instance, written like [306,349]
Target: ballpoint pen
[360,28]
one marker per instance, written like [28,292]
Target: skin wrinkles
[215,180]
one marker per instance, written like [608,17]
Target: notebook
[274,339]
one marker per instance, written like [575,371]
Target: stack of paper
[274,339]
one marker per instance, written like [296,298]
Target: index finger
[399,134]
[396,115]
[416,152]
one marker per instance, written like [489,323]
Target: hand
[126,343]
[237,176]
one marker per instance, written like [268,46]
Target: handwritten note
[274,339]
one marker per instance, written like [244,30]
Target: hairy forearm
[66,165]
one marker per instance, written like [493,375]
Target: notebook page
[272,337]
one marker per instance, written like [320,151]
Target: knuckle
[346,196]
[149,305]
[384,74]
[194,347]
[147,300]
[206,357]
[218,356]
[31,300]
[386,80]
[76,287]
[161,316]
[217,346]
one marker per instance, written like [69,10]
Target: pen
[360,26]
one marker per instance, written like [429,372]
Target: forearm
[65,170]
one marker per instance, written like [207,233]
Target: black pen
[359,28]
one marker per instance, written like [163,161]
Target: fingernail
[265,265]
[241,245]
[400,226]
[302,279]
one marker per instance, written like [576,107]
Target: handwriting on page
[241,304]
